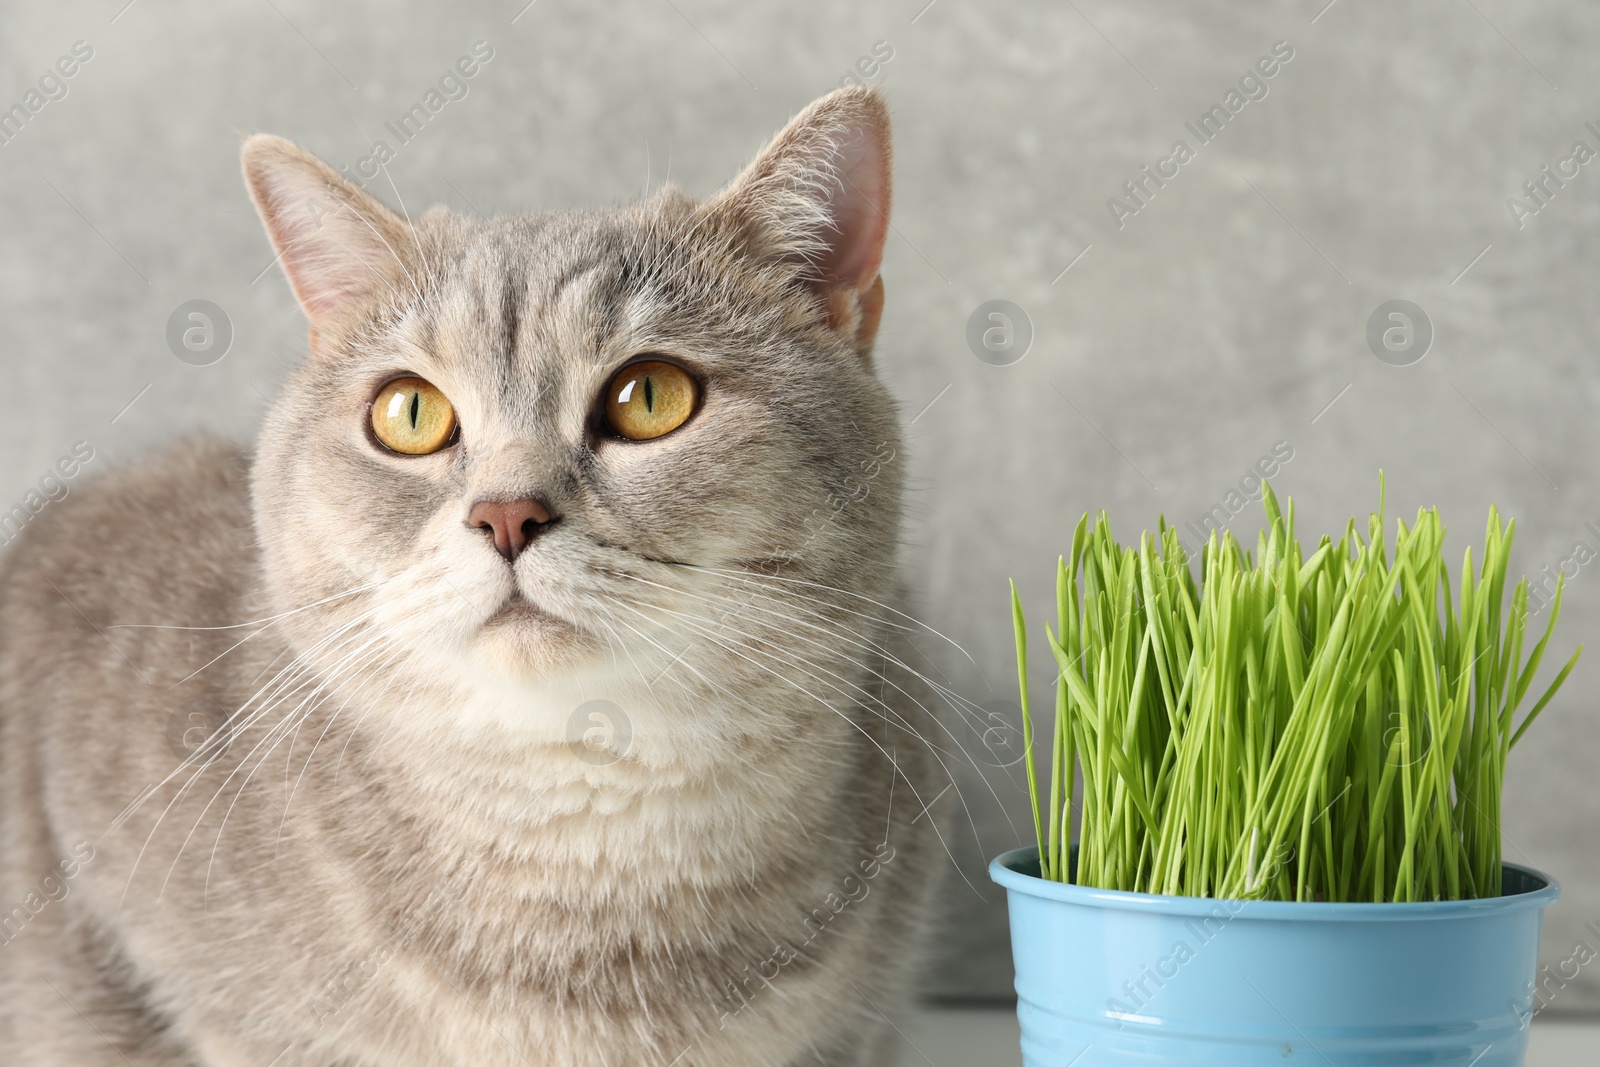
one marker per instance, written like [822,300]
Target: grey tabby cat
[562,717]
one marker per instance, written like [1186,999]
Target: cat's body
[407,845]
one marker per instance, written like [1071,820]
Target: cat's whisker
[225,736]
[959,704]
[252,622]
[201,758]
[220,655]
[298,663]
[868,695]
[888,713]
[371,705]
[743,584]
[685,685]
[389,651]
[692,622]
[898,772]
[665,672]
[730,603]
[836,632]
[917,623]
[393,721]
[273,622]
[954,700]
[411,691]
[675,658]
[614,641]
[745,591]
[751,580]
[872,740]
[783,611]
[333,673]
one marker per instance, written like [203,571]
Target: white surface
[987,1037]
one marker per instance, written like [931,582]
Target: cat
[532,693]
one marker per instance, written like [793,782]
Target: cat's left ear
[818,196]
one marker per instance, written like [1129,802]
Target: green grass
[1332,727]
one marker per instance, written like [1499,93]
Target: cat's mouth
[519,609]
[522,636]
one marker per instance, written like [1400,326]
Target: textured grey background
[1226,316]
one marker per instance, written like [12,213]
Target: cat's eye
[650,398]
[412,417]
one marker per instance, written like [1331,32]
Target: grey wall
[1225,316]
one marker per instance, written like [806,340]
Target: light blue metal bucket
[1112,979]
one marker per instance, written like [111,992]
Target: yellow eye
[649,399]
[412,417]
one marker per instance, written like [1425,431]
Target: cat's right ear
[817,198]
[338,245]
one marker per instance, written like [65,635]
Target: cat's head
[538,448]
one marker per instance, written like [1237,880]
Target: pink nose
[512,522]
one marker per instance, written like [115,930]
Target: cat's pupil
[649,394]
[416,408]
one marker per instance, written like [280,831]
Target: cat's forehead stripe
[513,295]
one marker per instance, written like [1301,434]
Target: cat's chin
[523,639]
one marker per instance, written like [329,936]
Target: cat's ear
[338,245]
[818,195]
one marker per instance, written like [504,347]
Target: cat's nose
[513,523]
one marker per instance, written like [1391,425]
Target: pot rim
[1003,869]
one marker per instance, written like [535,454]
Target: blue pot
[1113,979]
